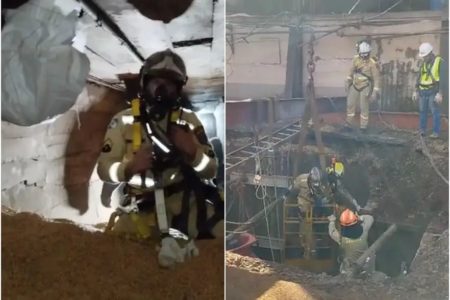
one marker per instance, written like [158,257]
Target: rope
[261,192]
[261,189]
[277,214]
[364,20]
[239,223]
[353,7]
[237,232]
[426,151]
[386,124]
[385,11]
[268,230]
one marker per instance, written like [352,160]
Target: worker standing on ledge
[167,168]
[362,85]
[352,239]
[428,89]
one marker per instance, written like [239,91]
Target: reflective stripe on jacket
[429,74]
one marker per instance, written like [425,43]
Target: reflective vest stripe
[425,78]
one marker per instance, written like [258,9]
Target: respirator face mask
[161,96]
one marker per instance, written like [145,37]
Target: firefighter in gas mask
[159,149]
[317,194]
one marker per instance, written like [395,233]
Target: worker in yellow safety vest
[362,85]
[161,153]
[428,88]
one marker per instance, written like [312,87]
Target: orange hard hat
[348,218]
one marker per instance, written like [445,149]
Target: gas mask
[364,55]
[316,183]
[161,96]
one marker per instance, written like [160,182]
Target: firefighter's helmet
[165,64]
[348,218]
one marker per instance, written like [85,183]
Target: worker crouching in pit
[160,150]
[353,241]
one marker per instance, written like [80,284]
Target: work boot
[347,127]
[434,136]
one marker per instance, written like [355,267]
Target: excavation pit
[383,171]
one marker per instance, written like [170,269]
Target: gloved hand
[332,218]
[141,161]
[184,141]
[374,96]
[348,83]
[438,98]
[170,252]
[414,97]
[191,250]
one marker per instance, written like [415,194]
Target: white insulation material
[33,161]
[42,73]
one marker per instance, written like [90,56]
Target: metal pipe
[377,245]
[257,217]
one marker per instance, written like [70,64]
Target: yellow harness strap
[137,138]
[175,116]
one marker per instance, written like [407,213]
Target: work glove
[190,250]
[141,161]
[185,141]
[170,252]
[415,96]
[374,96]
[332,218]
[438,98]
[348,83]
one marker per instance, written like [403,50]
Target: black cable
[103,17]
[192,42]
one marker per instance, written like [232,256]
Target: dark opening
[400,249]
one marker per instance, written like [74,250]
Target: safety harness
[369,78]
[427,68]
[192,184]
[369,81]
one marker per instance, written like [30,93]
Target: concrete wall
[257,68]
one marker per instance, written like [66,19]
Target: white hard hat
[364,48]
[425,49]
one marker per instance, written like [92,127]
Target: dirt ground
[427,278]
[43,260]
[250,278]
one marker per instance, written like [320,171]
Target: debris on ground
[276,281]
[45,260]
